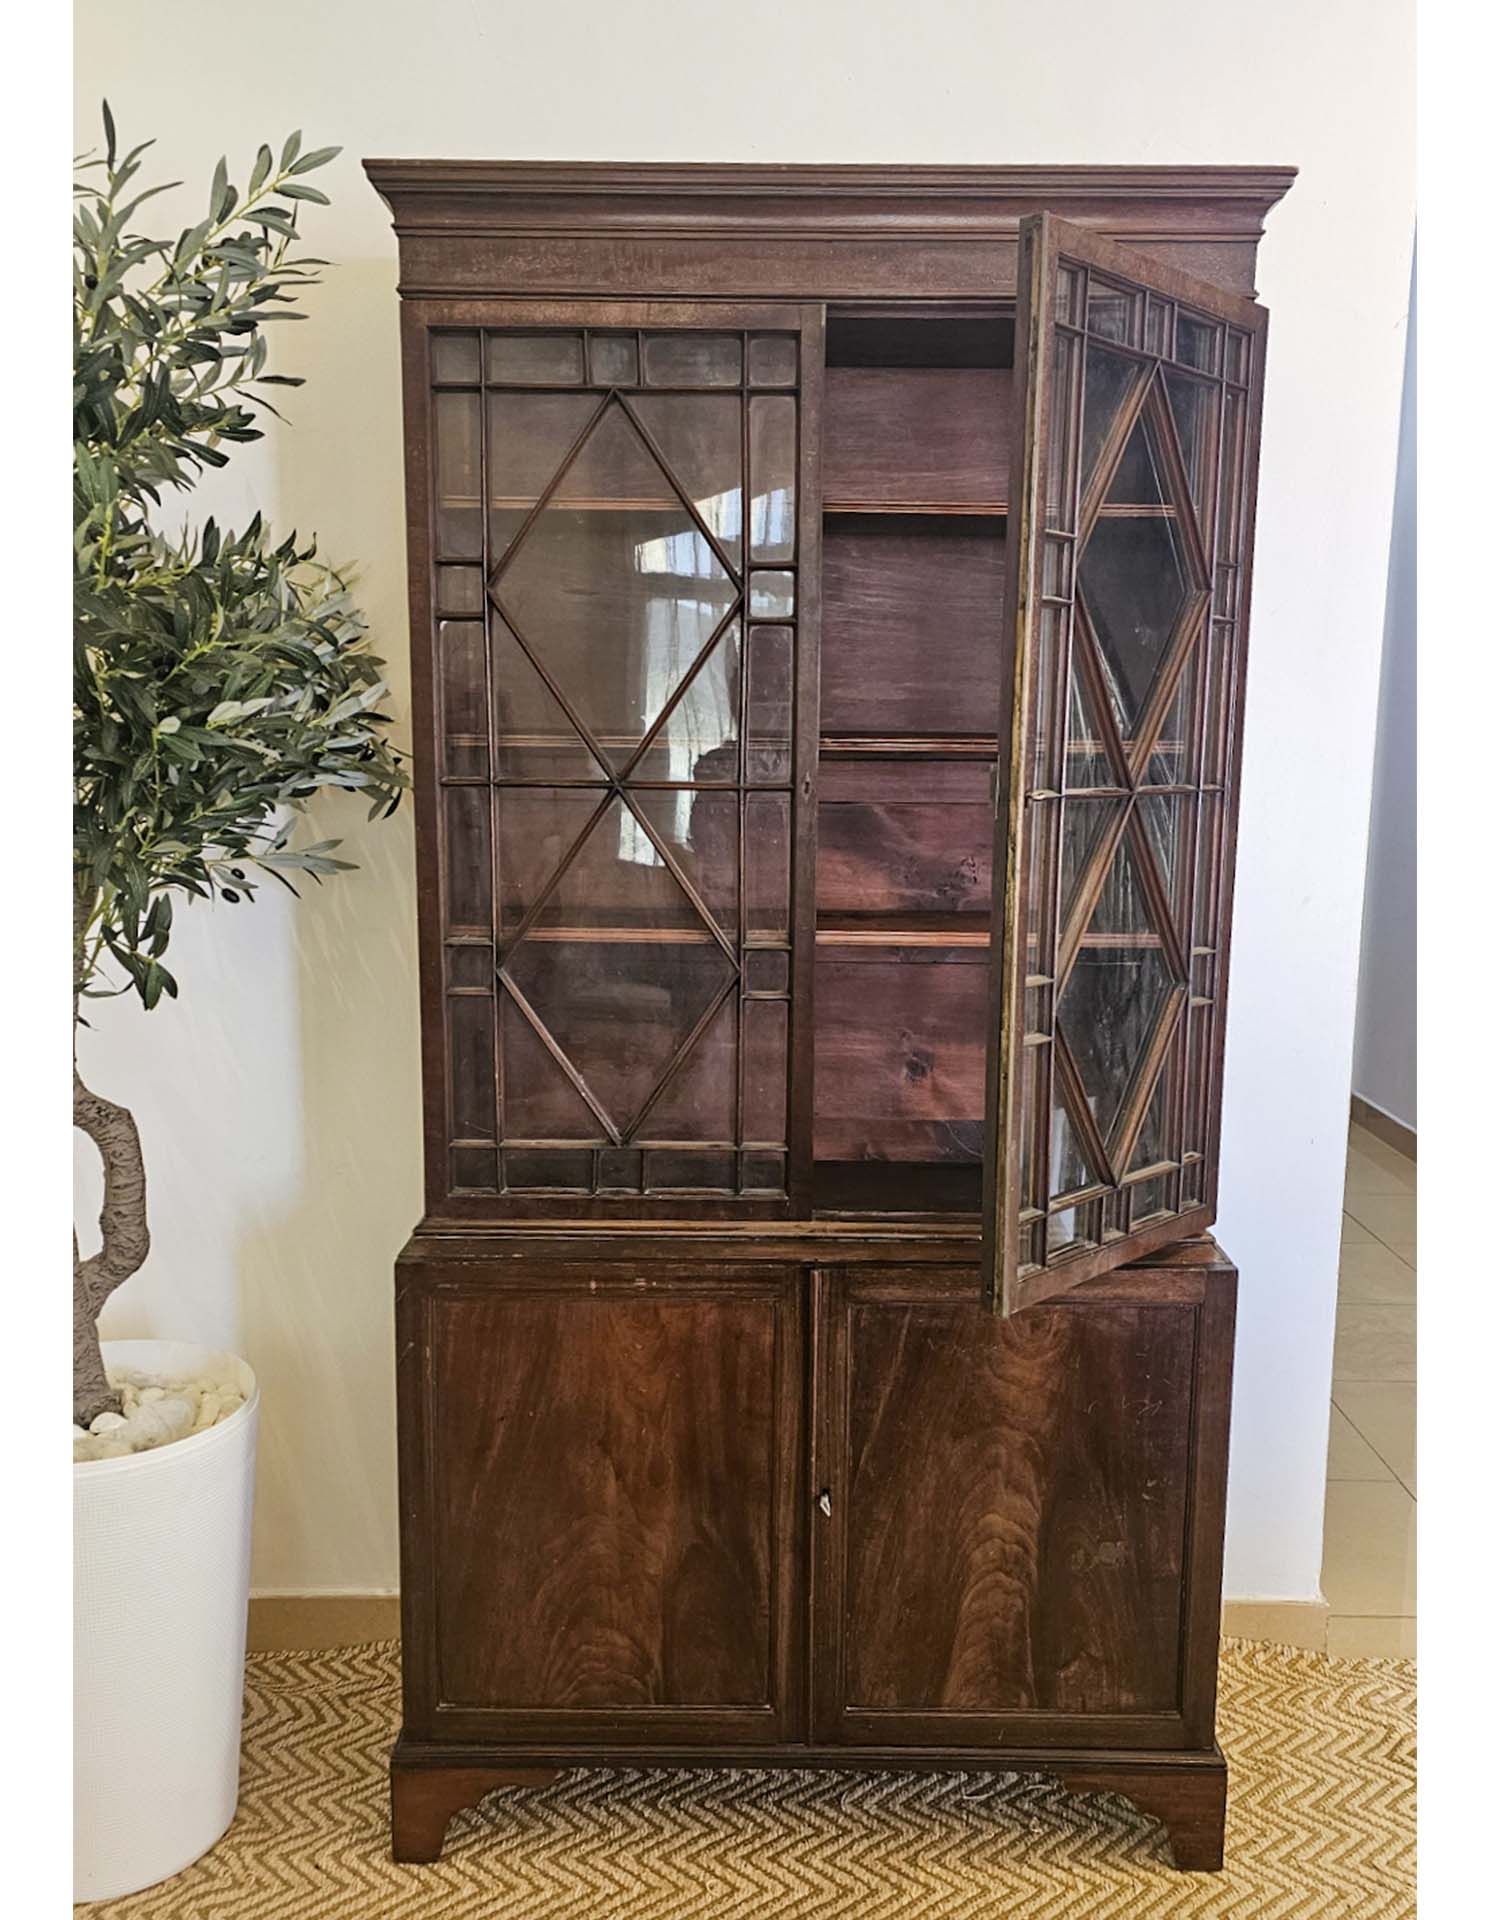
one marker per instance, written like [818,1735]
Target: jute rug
[1320,1824]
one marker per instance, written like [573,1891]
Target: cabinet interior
[916,416]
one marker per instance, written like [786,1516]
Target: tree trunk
[122,1223]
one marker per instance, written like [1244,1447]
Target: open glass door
[1130,525]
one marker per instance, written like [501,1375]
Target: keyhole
[825,1501]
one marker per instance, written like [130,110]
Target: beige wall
[279,1099]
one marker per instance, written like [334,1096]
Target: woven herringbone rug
[1320,1824]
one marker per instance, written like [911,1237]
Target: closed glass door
[618,548]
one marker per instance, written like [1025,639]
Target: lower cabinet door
[1017,1522]
[603,1508]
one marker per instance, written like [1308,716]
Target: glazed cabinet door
[614,553]
[1017,1523]
[1138,392]
[602,1505]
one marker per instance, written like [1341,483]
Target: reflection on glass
[768,746]
[469,1022]
[463,698]
[698,1103]
[764,1051]
[614,587]
[1155,1140]
[702,833]
[460,590]
[1194,404]
[773,470]
[1111,311]
[772,596]
[536,827]
[698,435]
[467,858]
[1117,990]
[1109,376]
[691,359]
[1070,1170]
[1135,578]
[700,738]
[535,739]
[1087,764]
[528,436]
[1196,341]
[767,861]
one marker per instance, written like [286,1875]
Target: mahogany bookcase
[829,596]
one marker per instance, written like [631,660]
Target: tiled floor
[1370,1515]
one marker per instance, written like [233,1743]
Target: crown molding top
[500,195]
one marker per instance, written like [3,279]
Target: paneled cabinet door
[1016,1523]
[603,1505]
[1137,405]
[622,578]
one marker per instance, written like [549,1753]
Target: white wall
[278,1100]
[1386,1018]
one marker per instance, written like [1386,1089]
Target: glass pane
[1111,311]
[468,857]
[1197,342]
[1109,376]
[1070,1170]
[539,359]
[613,359]
[619,966]
[691,359]
[473,1105]
[767,862]
[772,596]
[458,476]
[1068,295]
[773,471]
[1060,492]
[1163,818]
[539,1101]
[773,360]
[1159,325]
[535,740]
[1087,764]
[768,743]
[767,970]
[698,435]
[614,587]
[698,1103]
[674,1171]
[1170,762]
[699,740]
[702,833]
[620,1170]
[763,1058]
[1084,825]
[528,436]
[1118,988]
[1195,404]
[470,964]
[460,590]
[548,1171]
[763,1172]
[1135,576]
[1156,1140]
[473,1169]
[463,698]
[455,358]
[536,827]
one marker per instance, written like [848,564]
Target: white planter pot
[160,1610]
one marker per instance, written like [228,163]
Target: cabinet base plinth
[426,1797]
[1185,1792]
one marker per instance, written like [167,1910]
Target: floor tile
[1393,1218]
[1356,1636]
[1350,1456]
[1353,1234]
[1371,1272]
[1365,1146]
[1370,1549]
[1363,1181]
[1384,1413]
[1376,1342]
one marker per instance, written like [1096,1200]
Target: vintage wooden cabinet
[829,595]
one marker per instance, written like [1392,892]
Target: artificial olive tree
[220,679]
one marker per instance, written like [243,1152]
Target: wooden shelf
[902,930]
[923,509]
[890,746]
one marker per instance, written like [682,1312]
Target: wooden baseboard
[305,1622]
[1403,1138]
[1286,1623]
